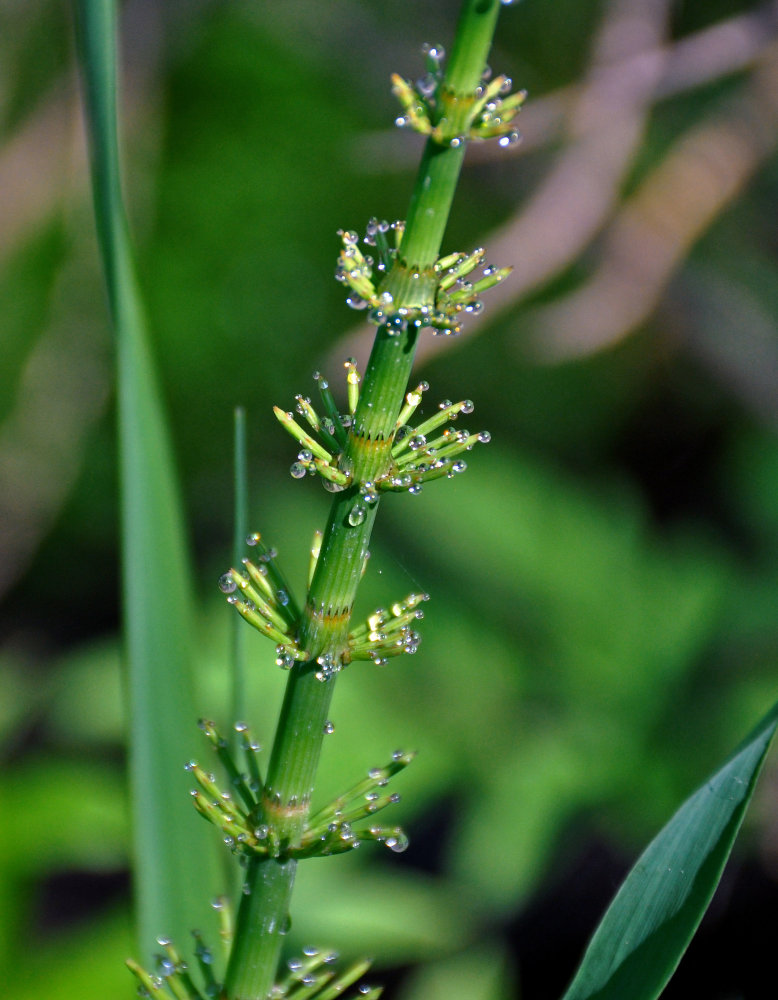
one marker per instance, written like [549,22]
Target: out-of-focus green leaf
[173,885]
[73,816]
[649,924]
[394,914]
[475,974]
[84,962]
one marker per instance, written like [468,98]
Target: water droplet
[329,667]
[427,85]
[295,964]
[459,466]
[415,490]
[398,843]
[484,437]
[456,142]
[356,301]
[203,953]
[395,325]
[297,470]
[226,584]
[417,441]
[331,487]
[436,52]
[166,967]
[356,515]
[511,139]
[284,660]
[329,728]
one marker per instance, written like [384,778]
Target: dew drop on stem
[356,515]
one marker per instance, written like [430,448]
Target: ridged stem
[295,756]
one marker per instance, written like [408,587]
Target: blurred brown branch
[652,233]
[602,122]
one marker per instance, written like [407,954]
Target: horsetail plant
[265,816]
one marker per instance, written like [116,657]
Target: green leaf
[173,886]
[479,973]
[649,924]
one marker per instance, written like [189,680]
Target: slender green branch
[240,530]
[297,747]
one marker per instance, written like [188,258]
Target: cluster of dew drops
[427,85]
[309,979]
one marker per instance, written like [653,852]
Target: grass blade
[173,885]
[652,919]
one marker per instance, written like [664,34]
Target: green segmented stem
[295,756]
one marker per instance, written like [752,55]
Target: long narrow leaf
[649,924]
[175,870]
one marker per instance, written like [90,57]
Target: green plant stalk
[264,909]
[158,615]
[240,530]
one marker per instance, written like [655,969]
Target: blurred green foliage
[604,577]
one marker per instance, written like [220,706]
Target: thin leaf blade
[648,926]
[173,886]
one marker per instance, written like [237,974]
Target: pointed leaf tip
[648,926]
